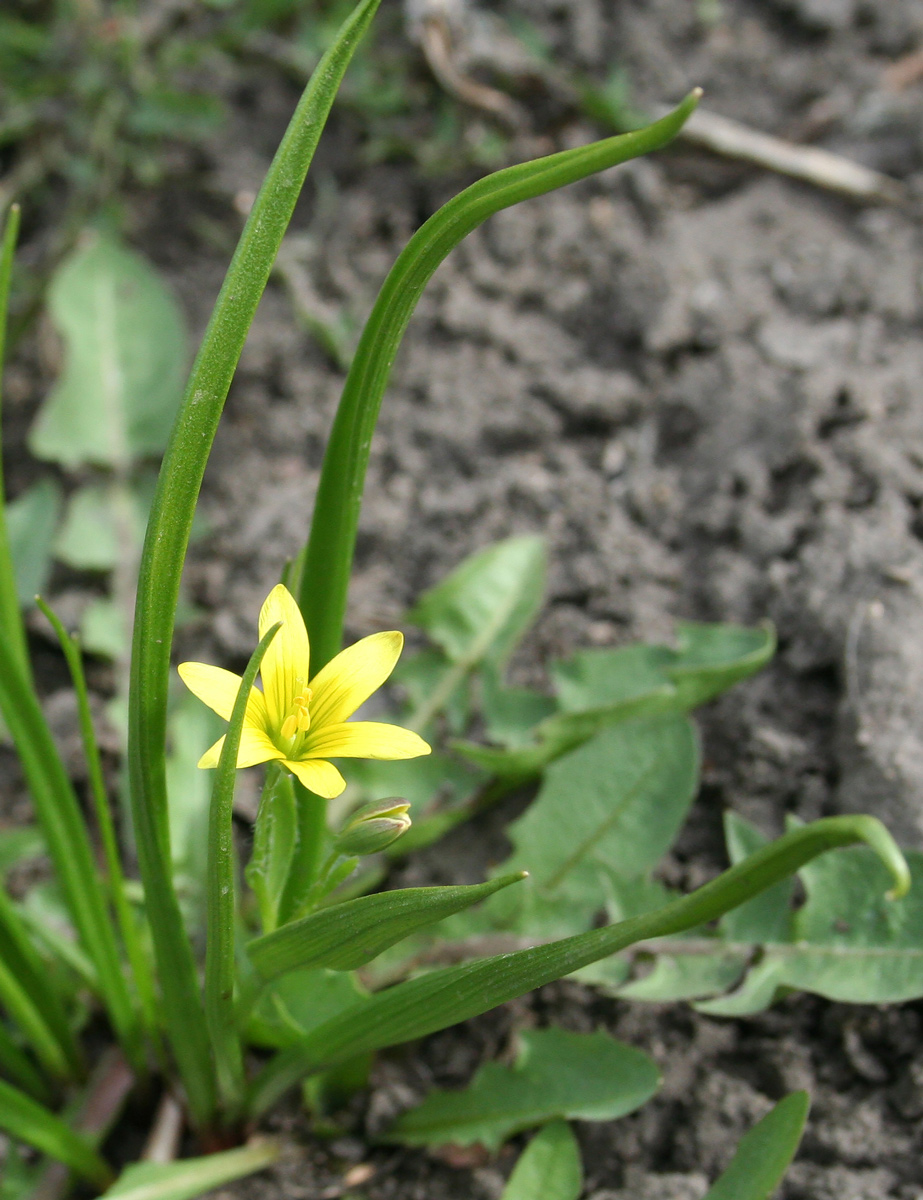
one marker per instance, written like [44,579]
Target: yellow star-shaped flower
[299,725]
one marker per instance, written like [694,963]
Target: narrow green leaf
[582,1076]
[222,907]
[274,839]
[32,520]
[339,495]
[549,1168]
[764,1154]
[191,1177]
[24,1119]
[347,936]
[125,347]
[139,964]
[165,546]
[10,616]
[712,658]
[423,1005]
[66,835]
[19,1069]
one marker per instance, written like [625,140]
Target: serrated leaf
[484,606]
[31,521]
[764,1154]
[346,936]
[768,917]
[191,1177]
[614,805]
[598,688]
[687,977]
[125,350]
[852,943]
[549,1168]
[590,1077]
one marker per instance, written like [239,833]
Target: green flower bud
[374,826]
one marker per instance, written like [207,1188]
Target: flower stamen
[299,717]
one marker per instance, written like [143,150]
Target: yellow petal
[284,670]
[349,679]
[255,747]
[212,685]
[318,776]
[365,739]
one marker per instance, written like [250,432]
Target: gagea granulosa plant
[229,1031]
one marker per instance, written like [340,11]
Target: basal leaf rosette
[303,722]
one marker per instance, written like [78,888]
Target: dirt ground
[702,384]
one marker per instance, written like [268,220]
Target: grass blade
[191,1176]
[165,549]
[431,1002]
[347,936]
[222,910]
[10,615]
[24,1119]
[66,835]
[339,494]
[138,961]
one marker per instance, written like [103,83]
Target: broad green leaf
[191,1177]
[125,350]
[764,1153]
[613,805]
[291,1006]
[423,674]
[32,519]
[424,1004]
[485,605]
[688,976]
[103,629]
[759,989]
[767,918]
[852,943]
[712,658]
[103,525]
[274,838]
[597,688]
[435,782]
[589,1077]
[511,714]
[592,679]
[549,1168]
[346,936]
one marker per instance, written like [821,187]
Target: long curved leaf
[165,546]
[346,936]
[423,1005]
[339,494]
